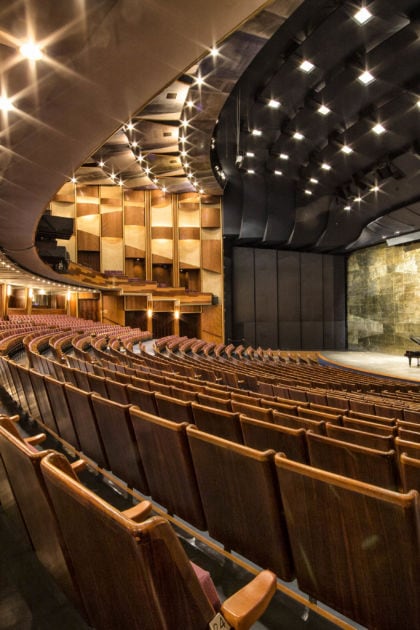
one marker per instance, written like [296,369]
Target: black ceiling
[295,203]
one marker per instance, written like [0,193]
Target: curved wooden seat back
[132,575]
[173,409]
[264,436]
[256,412]
[116,431]
[343,535]
[218,422]
[362,438]
[357,462]
[167,461]
[22,465]
[410,472]
[241,500]
[61,411]
[143,398]
[84,420]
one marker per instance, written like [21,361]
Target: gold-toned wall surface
[383,298]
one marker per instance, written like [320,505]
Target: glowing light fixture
[250,171]
[214,52]
[6,104]
[306,66]
[378,129]
[366,77]
[283,156]
[276,172]
[298,136]
[324,110]
[31,51]
[325,166]
[149,312]
[346,149]
[308,192]
[256,132]
[250,154]
[313,180]
[273,103]
[363,15]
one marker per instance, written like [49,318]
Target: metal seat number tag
[219,623]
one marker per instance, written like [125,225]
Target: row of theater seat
[235,492]
[122,570]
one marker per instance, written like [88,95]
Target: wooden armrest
[36,439]
[78,465]
[246,606]
[138,512]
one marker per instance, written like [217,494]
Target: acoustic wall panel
[288,300]
[266,313]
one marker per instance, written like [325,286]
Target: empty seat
[344,537]
[370,427]
[61,411]
[354,461]
[363,438]
[264,436]
[258,413]
[225,424]
[320,416]
[22,464]
[116,430]
[84,420]
[117,391]
[174,409]
[214,402]
[137,575]
[410,472]
[97,384]
[372,417]
[241,501]
[409,436]
[166,458]
[296,422]
[143,398]
[43,402]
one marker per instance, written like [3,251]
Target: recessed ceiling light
[358,199]
[130,126]
[324,110]
[199,80]
[276,172]
[418,103]
[347,207]
[325,166]
[363,15]
[283,156]
[6,104]
[190,103]
[214,51]
[374,188]
[32,51]
[306,66]
[250,171]
[307,191]
[250,154]
[313,180]
[378,129]
[256,132]
[273,103]
[298,136]
[366,77]
[346,149]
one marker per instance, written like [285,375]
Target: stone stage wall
[383,298]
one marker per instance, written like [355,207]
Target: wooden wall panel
[212,323]
[189,253]
[87,242]
[113,309]
[112,258]
[212,255]
[190,233]
[210,217]
[135,238]
[134,215]
[111,224]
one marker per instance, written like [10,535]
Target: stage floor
[391,365]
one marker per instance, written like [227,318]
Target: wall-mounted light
[9,290]
[149,312]
[176,313]
[31,294]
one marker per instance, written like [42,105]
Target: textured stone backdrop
[383,298]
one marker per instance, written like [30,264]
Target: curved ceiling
[306,163]
[122,82]
[104,60]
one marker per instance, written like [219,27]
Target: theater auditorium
[209,315]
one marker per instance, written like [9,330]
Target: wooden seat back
[410,472]
[264,436]
[174,409]
[133,572]
[61,411]
[362,438]
[117,435]
[22,464]
[166,457]
[351,460]
[258,413]
[218,422]
[84,419]
[343,534]
[297,422]
[143,398]
[240,499]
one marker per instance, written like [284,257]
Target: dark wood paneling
[189,233]
[87,242]
[210,217]
[134,215]
[162,232]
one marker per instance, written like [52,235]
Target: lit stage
[394,366]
